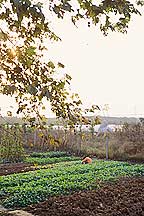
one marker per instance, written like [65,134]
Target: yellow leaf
[52,142]
[9,113]
[31,144]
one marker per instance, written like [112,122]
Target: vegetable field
[44,160]
[23,189]
[52,157]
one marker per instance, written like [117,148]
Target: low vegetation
[51,154]
[52,157]
[19,190]
[48,160]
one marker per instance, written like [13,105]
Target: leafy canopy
[24,32]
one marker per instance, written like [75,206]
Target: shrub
[11,145]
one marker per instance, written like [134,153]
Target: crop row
[50,154]
[49,160]
[19,190]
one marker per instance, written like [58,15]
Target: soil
[6,169]
[10,168]
[122,198]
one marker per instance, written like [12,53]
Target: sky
[104,70]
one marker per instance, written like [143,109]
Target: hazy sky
[105,70]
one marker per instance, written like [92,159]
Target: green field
[48,160]
[52,157]
[23,189]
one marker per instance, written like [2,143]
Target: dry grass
[124,144]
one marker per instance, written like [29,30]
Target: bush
[11,145]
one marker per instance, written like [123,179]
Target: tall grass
[126,143]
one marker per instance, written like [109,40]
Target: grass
[20,190]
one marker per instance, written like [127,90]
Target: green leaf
[32,89]
[68,77]
[51,65]
[60,65]
[67,7]
[31,51]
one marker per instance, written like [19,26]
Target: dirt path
[6,169]
[124,198]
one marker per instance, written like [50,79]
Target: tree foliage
[24,30]
[113,15]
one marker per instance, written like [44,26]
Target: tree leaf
[60,65]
